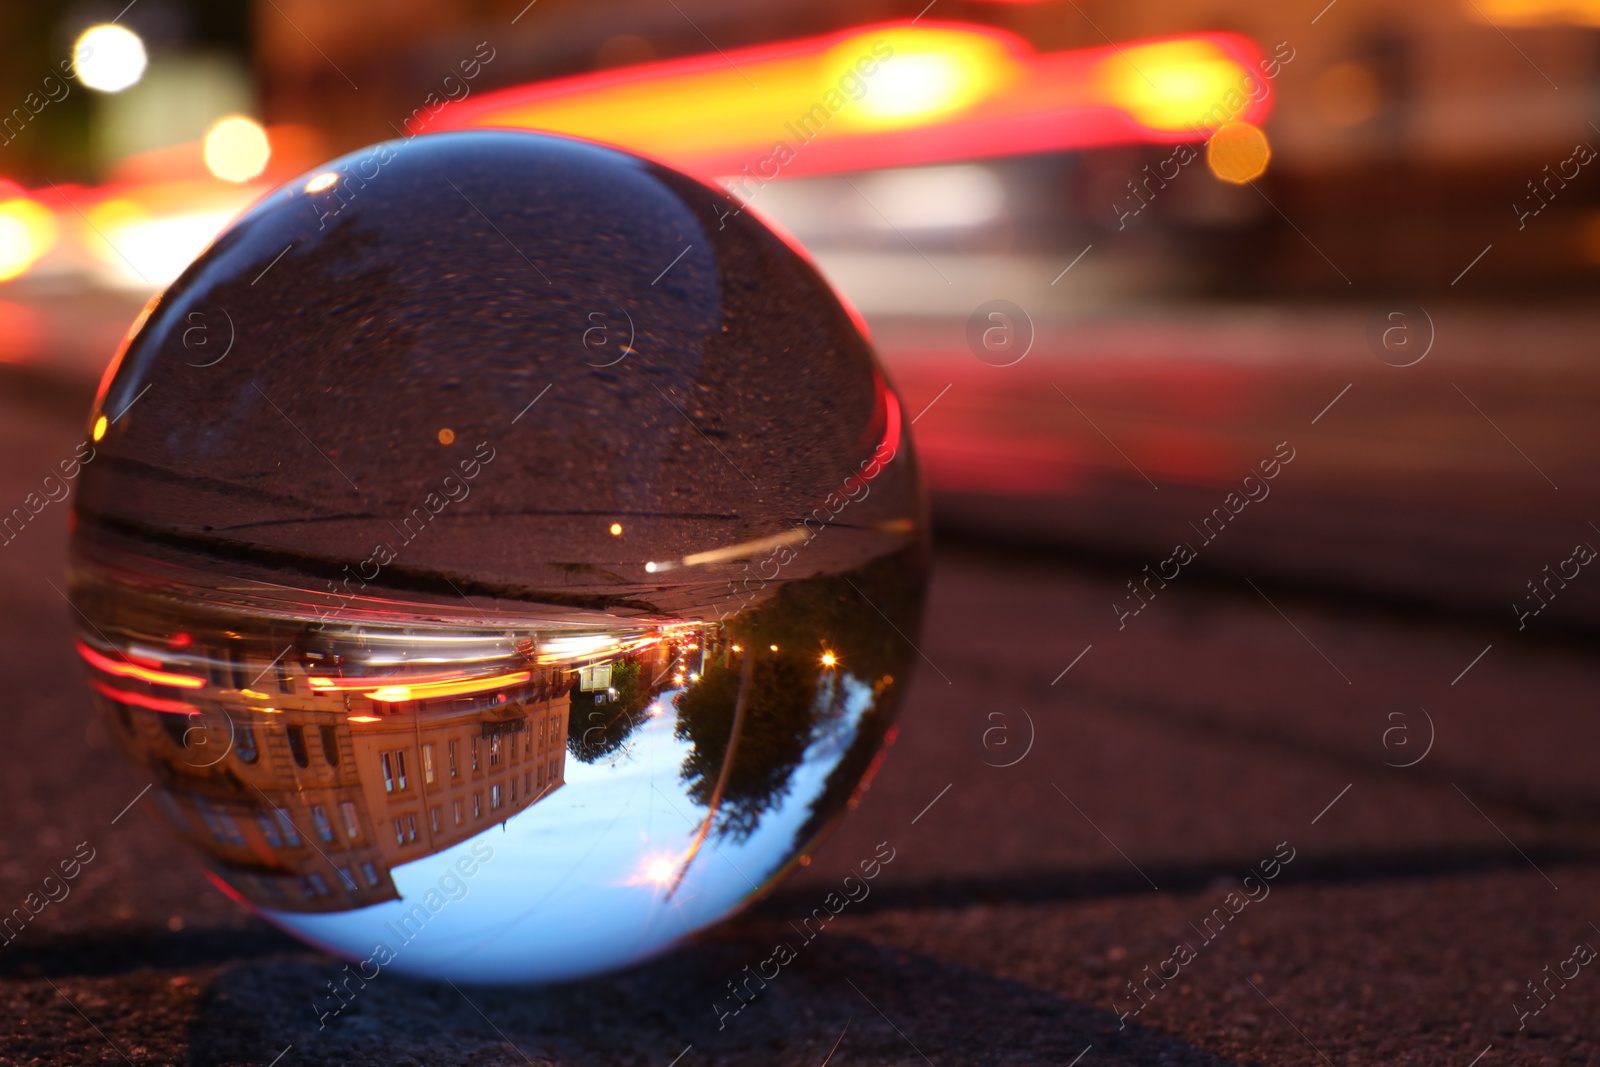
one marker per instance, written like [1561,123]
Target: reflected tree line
[794,698]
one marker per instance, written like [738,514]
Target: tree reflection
[600,723]
[793,695]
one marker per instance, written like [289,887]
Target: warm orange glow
[140,700]
[736,648]
[774,648]
[1238,153]
[99,428]
[1174,85]
[133,670]
[322,181]
[27,231]
[364,685]
[616,529]
[236,149]
[391,694]
[362,718]
[447,436]
[144,241]
[893,94]
[829,659]
[1536,12]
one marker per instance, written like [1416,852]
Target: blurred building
[304,797]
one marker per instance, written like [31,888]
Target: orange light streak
[140,700]
[944,91]
[133,670]
[394,693]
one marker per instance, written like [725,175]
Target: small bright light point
[447,436]
[774,648]
[693,676]
[109,58]
[364,718]
[99,428]
[736,648]
[649,568]
[237,149]
[322,181]
[616,529]
[828,659]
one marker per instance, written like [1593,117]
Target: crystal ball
[502,553]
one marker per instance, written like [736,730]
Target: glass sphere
[503,554]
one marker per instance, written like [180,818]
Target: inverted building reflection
[305,769]
[307,761]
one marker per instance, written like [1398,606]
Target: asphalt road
[1151,768]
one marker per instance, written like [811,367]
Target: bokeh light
[1238,153]
[1176,85]
[27,231]
[109,58]
[236,149]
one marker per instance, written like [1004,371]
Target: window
[394,770]
[320,819]
[219,822]
[541,776]
[459,809]
[494,796]
[352,822]
[433,818]
[244,744]
[217,668]
[474,753]
[347,879]
[541,732]
[241,674]
[269,830]
[455,766]
[330,746]
[297,745]
[527,781]
[318,884]
[427,763]
[290,835]
[494,751]
[285,679]
[370,873]
[405,829]
[477,805]
[513,789]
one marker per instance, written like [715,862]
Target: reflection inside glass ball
[364,773]
[466,687]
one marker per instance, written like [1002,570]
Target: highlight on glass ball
[501,553]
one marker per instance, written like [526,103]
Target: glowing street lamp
[109,58]
[236,150]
